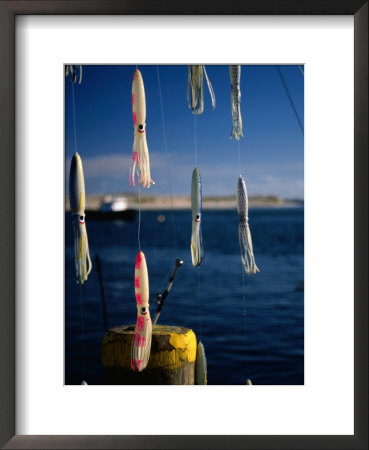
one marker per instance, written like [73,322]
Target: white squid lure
[244,234]
[235,74]
[197,251]
[140,153]
[195,89]
[82,260]
[141,343]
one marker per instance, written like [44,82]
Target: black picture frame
[8,12]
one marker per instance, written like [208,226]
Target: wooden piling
[172,357]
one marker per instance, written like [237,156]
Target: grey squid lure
[235,75]
[82,260]
[197,252]
[72,70]
[195,89]
[244,234]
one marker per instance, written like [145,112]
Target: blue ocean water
[251,326]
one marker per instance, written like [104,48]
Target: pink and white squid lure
[140,153]
[141,343]
[82,260]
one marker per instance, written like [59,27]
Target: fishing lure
[244,234]
[197,251]
[140,153]
[200,365]
[73,73]
[82,261]
[195,89]
[235,74]
[141,343]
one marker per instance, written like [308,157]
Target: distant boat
[112,208]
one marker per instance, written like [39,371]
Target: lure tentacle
[195,89]
[200,365]
[195,95]
[141,161]
[247,253]
[82,260]
[235,75]
[196,245]
[72,69]
[141,343]
[244,234]
[211,90]
[197,251]
[140,153]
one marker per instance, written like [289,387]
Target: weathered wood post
[172,357]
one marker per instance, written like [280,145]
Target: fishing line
[82,331]
[243,272]
[290,99]
[139,217]
[167,163]
[195,140]
[81,286]
[243,294]
[198,268]
[74,120]
[139,210]
[244,330]
[169,171]
[301,71]
[239,157]
[199,301]
[239,151]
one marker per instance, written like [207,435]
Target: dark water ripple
[254,332]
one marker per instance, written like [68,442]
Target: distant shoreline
[93,202]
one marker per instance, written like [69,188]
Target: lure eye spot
[143,310]
[81,219]
[197,218]
[140,128]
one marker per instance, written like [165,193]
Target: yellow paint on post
[171,348]
[186,343]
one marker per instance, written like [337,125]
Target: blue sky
[271,151]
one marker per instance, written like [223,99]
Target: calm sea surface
[251,326]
